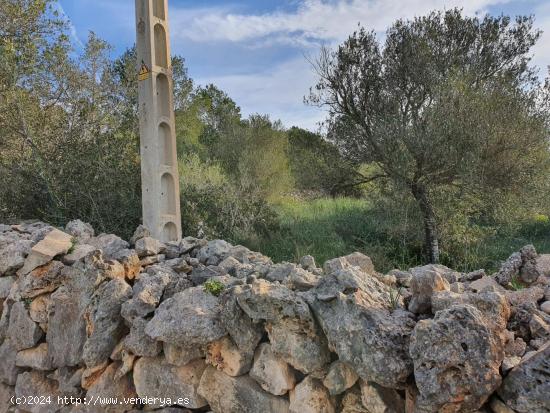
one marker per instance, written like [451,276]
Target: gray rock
[188,318]
[154,377]
[109,244]
[79,252]
[54,243]
[214,252]
[5,287]
[309,396]
[42,280]
[426,281]
[354,310]
[22,331]
[201,274]
[241,394]
[227,357]
[13,251]
[307,262]
[543,264]
[147,292]
[527,386]
[402,278]
[107,387]
[36,358]
[6,394]
[8,368]
[68,381]
[271,372]
[79,230]
[340,377]
[353,260]
[352,403]
[37,385]
[147,246]
[138,343]
[130,261]
[456,360]
[292,330]
[378,399]
[140,232]
[486,283]
[180,355]
[105,326]
[545,307]
[245,333]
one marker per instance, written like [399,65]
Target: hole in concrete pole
[170,232]
[167,194]
[163,95]
[158,9]
[161,54]
[165,145]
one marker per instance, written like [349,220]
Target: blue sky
[255,49]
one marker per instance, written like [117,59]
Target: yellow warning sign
[144,72]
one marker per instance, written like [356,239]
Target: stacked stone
[198,326]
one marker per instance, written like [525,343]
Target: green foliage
[436,115]
[395,296]
[318,167]
[214,287]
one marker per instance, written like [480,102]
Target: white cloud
[325,20]
[278,92]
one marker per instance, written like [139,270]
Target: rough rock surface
[242,394]
[154,377]
[272,372]
[456,360]
[355,314]
[527,386]
[99,321]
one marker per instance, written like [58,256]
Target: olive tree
[446,101]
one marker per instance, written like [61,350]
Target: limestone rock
[8,369]
[353,260]
[245,333]
[188,318]
[5,287]
[68,381]
[109,244]
[403,278]
[214,252]
[340,377]
[79,230]
[147,246]
[521,265]
[352,403]
[147,292]
[309,396]
[497,406]
[527,386]
[493,306]
[201,274]
[22,331]
[41,280]
[13,251]
[105,326]
[302,280]
[154,377]
[6,393]
[307,262]
[426,281]
[38,308]
[543,264]
[293,332]
[355,313]
[227,357]
[36,358]
[140,232]
[271,372]
[54,243]
[36,384]
[241,394]
[109,387]
[486,283]
[545,307]
[378,399]
[180,355]
[130,261]
[456,360]
[140,344]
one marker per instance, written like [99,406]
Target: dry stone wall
[97,324]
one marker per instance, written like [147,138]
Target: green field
[328,228]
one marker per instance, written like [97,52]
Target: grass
[328,228]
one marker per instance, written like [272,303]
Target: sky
[257,50]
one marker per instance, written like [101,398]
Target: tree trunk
[431,238]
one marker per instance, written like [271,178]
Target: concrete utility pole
[159,166]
